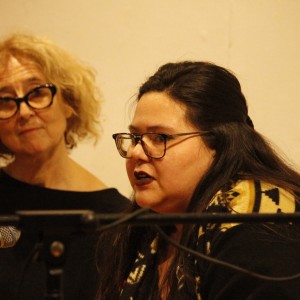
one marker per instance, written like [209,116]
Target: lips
[142,178]
[28,130]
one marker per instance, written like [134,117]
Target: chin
[144,201]
[149,204]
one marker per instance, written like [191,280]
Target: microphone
[9,235]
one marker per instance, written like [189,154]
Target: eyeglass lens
[153,144]
[39,98]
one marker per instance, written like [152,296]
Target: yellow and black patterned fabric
[258,247]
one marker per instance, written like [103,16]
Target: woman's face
[166,184]
[31,132]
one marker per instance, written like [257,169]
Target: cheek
[129,168]
[57,119]
[1,132]
[187,170]
[182,176]
[5,131]
[61,111]
[174,178]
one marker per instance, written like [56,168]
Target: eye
[7,92]
[39,92]
[5,96]
[7,104]
[168,137]
[157,138]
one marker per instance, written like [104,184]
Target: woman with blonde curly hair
[49,102]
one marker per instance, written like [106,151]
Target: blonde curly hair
[74,79]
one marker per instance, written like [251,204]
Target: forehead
[159,110]
[19,70]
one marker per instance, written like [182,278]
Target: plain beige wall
[126,41]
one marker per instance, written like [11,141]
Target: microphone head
[9,235]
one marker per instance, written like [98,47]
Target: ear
[68,111]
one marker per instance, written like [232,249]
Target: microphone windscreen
[9,235]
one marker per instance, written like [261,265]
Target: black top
[23,268]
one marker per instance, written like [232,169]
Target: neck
[40,169]
[55,170]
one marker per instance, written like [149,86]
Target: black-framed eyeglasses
[154,144]
[38,98]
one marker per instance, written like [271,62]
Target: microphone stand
[54,256]
[58,225]
[56,228]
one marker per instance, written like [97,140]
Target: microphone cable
[234,267]
[34,252]
[127,217]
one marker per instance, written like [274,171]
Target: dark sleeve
[272,250]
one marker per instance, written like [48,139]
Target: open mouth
[142,178]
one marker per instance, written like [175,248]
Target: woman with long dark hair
[192,147]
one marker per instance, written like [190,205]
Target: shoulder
[267,249]
[78,178]
[247,196]
[244,197]
[253,250]
[18,195]
[113,200]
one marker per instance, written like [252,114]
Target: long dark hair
[215,103]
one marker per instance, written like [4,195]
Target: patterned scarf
[243,196]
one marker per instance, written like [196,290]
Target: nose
[25,110]
[137,152]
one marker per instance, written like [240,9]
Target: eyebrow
[33,79]
[156,128]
